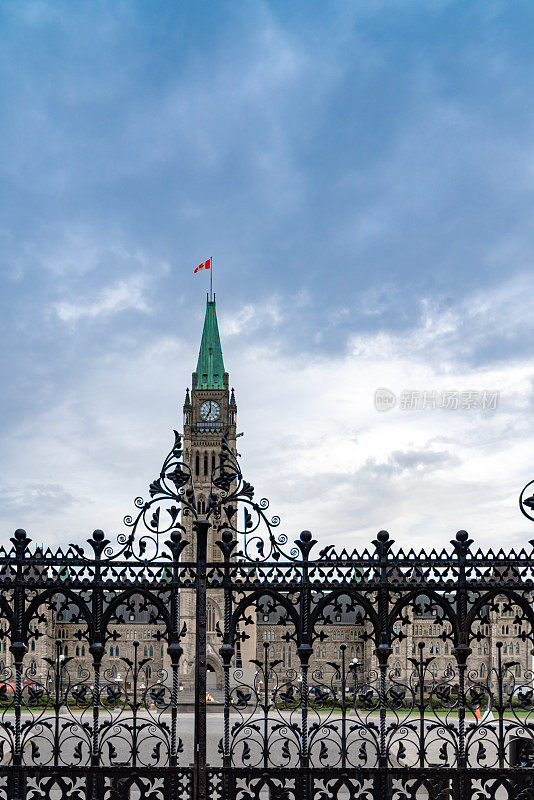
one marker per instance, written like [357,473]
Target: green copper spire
[210,366]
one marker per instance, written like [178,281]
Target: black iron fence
[91,709]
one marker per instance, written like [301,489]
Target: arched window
[211,617]
[335,652]
[111,651]
[318,653]
[33,667]
[518,670]
[146,652]
[479,649]
[149,672]
[77,650]
[485,648]
[517,648]
[482,670]
[197,464]
[114,671]
[283,656]
[213,462]
[151,652]
[205,463]
[66,651]
[397,669]
[83,649]
[117,651]
[271,652]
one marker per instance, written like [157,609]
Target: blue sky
[363,175]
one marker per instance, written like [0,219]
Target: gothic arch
[448,612]
[494,594]
[250,600]
[148,595]
[355,596]
[62,591]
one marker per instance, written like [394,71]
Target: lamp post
[118,679]
[61,659]
[353,666]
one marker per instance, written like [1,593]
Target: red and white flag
[204,265]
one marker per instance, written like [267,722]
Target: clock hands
[210,410]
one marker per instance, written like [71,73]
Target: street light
[353,666]
[59,687]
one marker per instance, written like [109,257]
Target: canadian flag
[204,265]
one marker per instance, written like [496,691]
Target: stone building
[133,635]
[494,629]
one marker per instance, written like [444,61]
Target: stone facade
[498,628]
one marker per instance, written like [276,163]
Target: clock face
[210,410]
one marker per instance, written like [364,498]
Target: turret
[188,408]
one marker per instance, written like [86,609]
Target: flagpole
[211,279]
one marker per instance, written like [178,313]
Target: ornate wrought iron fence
[288,732]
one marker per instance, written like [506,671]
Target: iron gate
[316,727]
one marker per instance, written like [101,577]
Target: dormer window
[204,378]
[215,378]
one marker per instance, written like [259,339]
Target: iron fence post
[175,652]
[227,651]
[200,528]
[462,651]
[96,649]
[305,544]
[18,648]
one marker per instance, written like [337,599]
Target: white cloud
[126,294]
[252,317]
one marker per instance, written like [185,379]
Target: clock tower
[210,413]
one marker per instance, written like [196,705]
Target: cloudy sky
[362,173]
